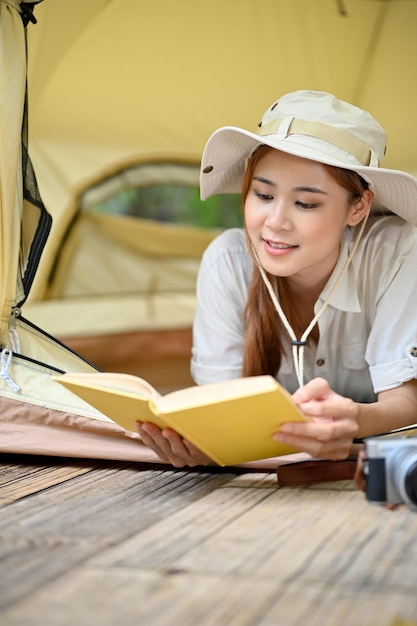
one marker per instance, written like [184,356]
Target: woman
[320,288]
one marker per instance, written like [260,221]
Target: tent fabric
[146,257]
[29,357]
[13,83]
[119,274]
[136,265]
[112,82]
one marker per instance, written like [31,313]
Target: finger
[167,444]
[149,441]
[333,406]
[316,388]
[153,437]
[178,448]
[328,446]
[322,430]
[197,454]
[325,450]
[334,451]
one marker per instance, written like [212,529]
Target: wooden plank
[129,545]
[315,535]
[90,595]
[221,530]
[285,534]
[170,539]
[321,604]
[18,480]
[58,528]
[23,475]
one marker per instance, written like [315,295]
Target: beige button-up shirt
[368,332]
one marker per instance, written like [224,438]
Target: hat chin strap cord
[298,345]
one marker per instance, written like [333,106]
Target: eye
[265,197]
[306,205]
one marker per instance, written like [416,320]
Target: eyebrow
[261,179]
[312,190]
[264,180]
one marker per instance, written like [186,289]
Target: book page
[119,382]
[119,403]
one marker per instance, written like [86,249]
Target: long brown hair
[264,330]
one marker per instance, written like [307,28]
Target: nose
[279,217]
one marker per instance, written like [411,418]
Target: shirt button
[413,351]
[321,362]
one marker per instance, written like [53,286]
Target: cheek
[313,231]
[248,215]
[253,214]
[323,229]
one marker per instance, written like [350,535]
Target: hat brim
[225,155]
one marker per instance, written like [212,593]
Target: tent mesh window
[166,192]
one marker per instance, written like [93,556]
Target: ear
[360,208]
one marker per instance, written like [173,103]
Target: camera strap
[315,471]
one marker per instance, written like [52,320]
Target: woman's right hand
[171,447]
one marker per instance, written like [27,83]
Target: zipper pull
[14,314]
[13,336]
[7,354]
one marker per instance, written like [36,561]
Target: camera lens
[405,475]
[410,483]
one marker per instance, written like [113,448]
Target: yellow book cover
[230,421]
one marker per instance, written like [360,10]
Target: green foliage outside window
[177,204]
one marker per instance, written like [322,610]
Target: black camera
[390,470]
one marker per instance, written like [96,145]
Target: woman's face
[295,215]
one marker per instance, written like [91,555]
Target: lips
[278,245]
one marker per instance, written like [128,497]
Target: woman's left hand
[333,425]
[170,447]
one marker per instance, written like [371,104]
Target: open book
[231,421]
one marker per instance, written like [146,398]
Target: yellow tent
[125,93]
[113,83]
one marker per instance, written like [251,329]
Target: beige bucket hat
[318,126]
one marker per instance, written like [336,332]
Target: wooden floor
[89,543]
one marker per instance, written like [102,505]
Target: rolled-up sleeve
[218,329]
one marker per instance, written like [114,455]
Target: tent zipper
[17,314]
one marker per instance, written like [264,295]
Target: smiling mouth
[278,246]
